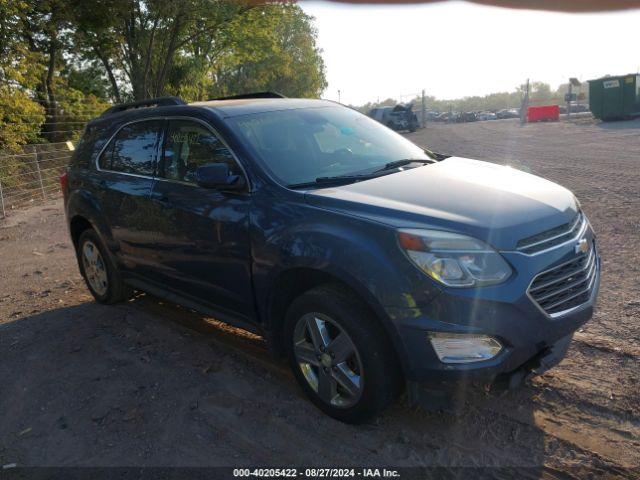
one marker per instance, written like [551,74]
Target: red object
[64,183]
[543,113]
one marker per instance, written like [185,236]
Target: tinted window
[133,149]
[86,147]
[105,158]
[301,145]
[188,146]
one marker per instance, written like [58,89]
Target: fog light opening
[464,347]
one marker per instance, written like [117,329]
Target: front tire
[340,356]
[99,271]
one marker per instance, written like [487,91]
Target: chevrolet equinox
[372,264]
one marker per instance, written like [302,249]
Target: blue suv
[374,265]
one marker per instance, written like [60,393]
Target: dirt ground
[150,384]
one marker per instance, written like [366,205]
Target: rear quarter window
[86,148]
[133,150]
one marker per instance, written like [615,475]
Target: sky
[457,49]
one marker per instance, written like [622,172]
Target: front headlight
[452,259]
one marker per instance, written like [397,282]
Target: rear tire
[99,271]
[352,372]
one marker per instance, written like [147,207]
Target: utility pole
[424,110]
[339,96]
[525,104]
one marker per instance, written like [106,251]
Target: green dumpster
[614,98]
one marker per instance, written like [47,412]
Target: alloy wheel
[328,360]
[94,268]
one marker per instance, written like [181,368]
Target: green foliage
[88,80]
[20,119]
[274,49]
[200,48]
[75,108]
[20,116]
[63,61]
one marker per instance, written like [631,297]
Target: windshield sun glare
[301,145]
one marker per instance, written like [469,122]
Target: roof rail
[253,95]
[151,102]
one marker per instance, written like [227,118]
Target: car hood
[497,204]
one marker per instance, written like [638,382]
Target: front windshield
[301,145]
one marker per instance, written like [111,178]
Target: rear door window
[190,145]
[134,148]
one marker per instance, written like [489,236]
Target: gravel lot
[150,384]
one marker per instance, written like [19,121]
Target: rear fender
[82,203]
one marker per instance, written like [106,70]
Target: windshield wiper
[345,179]
[337,180]
[402,163]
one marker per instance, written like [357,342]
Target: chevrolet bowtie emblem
[582,246]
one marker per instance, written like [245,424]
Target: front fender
[359,253]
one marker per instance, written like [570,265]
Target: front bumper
[449,395]
[505,312]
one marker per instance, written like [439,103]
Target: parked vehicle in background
[486,116]
[399,117]
[508,113]
[448,117]
[469,117]
[369,262]
[403,118]
[575,108]
[432,115]
[381,114]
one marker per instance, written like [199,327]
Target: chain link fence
[32,175]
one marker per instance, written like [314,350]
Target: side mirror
[218,175]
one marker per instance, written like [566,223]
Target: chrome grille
[550,238]
[566,286]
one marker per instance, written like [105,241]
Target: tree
[20,117]
[271,49]
[45,24]
[200,48]
[71,56]
[540,91]
[145,38]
